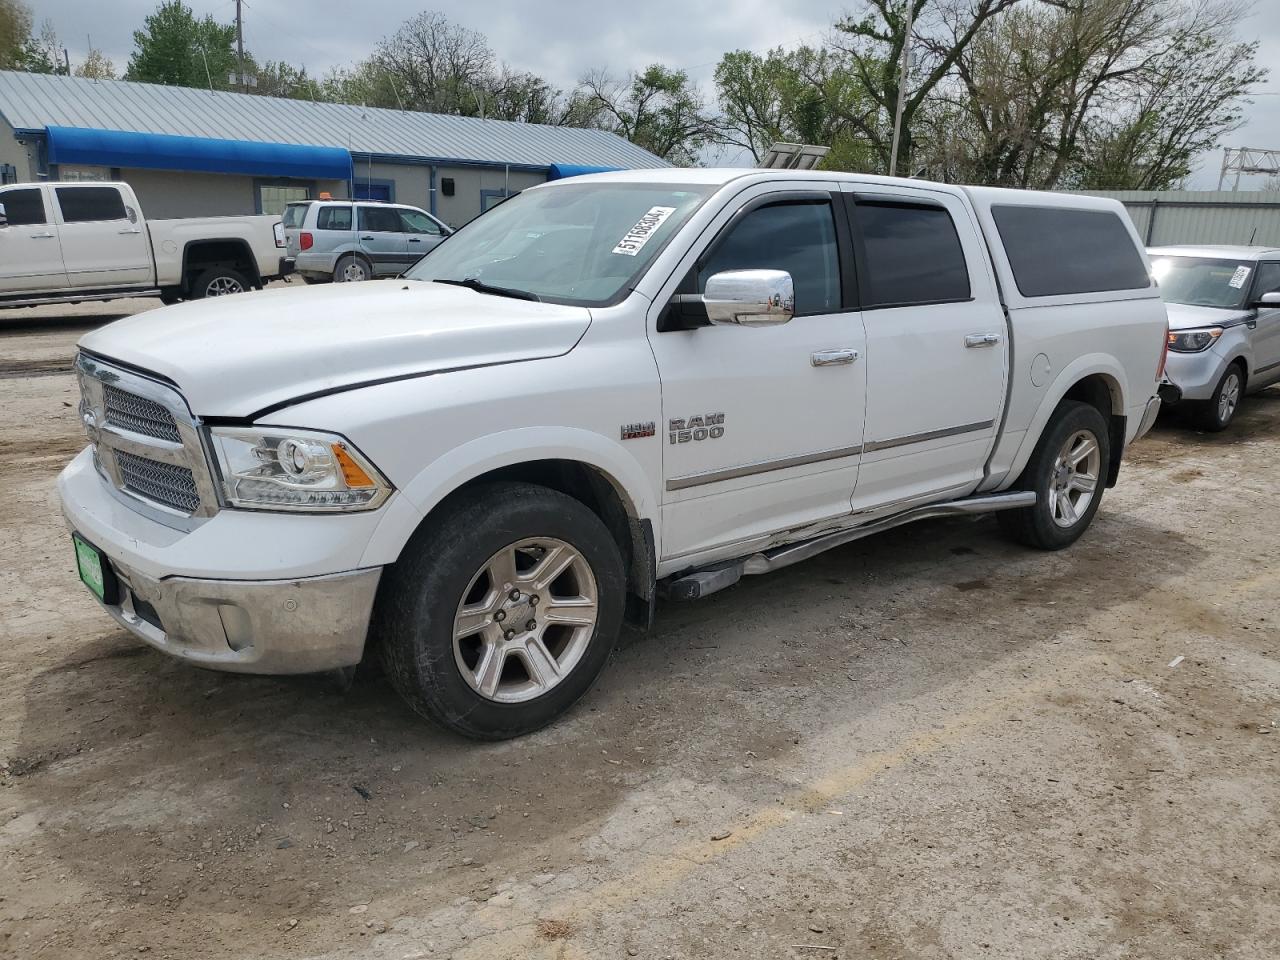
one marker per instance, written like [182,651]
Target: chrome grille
[164,483]
[139,415]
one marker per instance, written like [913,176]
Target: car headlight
[1193,341]
[270,469]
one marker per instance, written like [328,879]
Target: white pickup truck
[68,242]
[604,390]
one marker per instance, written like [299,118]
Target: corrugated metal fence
[1204,216]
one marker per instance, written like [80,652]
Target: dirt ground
[929,744]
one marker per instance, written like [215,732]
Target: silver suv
[328,240]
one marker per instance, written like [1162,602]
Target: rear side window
[1056,251]
[799,238]
[23,207]
[334,218]
[294,214]
[1268,278]
[912,255]
[89,204]
[380,220]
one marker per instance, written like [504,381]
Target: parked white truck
[68,242]
[603,390]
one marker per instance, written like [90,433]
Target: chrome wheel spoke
[1067,509]
[471,620]
[1087,447]
[1084,482]
[488,672]
[502,569]
[550,568]
[571,611]
[544,669]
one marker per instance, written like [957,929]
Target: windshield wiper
[479,286]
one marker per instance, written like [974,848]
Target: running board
[709,580]
[80,296]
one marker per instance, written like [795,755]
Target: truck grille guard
[147,445]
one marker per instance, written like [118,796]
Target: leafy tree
[175,48]
[96,66]
[656,108]
[15,34]
[279,79]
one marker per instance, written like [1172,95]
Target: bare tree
[434,65]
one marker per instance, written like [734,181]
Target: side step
[709,580]
[79,296]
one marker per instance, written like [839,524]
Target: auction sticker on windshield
[633,240]
[1239,277]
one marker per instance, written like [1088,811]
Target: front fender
[510,448]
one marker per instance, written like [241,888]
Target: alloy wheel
[1229,397]
[525,620]
[1074,480]
[223,286]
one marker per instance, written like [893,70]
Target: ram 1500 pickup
[602,391]
[68,242]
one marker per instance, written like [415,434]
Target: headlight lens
[1193,341]
[268,469]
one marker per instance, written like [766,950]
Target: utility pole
[902,87]
[239,47]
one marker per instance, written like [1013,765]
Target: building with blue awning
[191,152]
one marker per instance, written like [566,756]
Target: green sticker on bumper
[89,563]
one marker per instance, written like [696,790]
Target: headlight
[1193,341]
[268,469]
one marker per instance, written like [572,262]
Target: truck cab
[603,391]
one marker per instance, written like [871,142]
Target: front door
[382,239]
[1266,336]
[937,345]
[103,243]
[421,233]
[762,426]
[30,255]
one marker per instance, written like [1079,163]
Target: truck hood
[236,356]
[1184,317]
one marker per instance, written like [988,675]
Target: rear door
[422,233]
[937,350]
[1266,337]
[382,238]
[30,255]
[103,243]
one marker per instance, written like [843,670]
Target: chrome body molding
[251,626]
[889,444]
[764,466]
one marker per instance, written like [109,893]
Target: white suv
[340,241]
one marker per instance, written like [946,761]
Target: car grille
[164,483]
[138,414]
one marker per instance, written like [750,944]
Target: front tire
[1216,413]
[502,610]
[1067,471]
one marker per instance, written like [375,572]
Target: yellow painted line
[660,873]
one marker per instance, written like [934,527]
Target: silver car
[341,241]
[1224,325]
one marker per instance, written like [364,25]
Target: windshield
[294,214]
[1202,281]
[581,243]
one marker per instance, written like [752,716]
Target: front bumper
[260,626]
[1197,374]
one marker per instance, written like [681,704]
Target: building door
[373,190]
[30,255]
[103,243]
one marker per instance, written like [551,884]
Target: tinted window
[799,238]
[379,219]
[1268,278]
[913,255]
[23,207]
[334,218]
[87,204]
[294,214]
[415,221]
[1056,251]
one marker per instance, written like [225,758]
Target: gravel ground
[928,744]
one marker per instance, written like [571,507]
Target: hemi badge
[634,431]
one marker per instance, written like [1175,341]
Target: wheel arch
[233,252]
[583,465]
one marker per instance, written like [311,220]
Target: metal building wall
[1202,216]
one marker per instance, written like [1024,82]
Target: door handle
[414,240]
[366,236]
[830,358]
[42,236]
[130,231]
[982,340]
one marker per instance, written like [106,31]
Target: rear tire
[352,269]
[218,282]
[1216,413]
[468,634]
[1068,471]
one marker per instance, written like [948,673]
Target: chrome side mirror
[1271,299]
[4,217]
[750,298]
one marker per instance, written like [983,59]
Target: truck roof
[1215,251]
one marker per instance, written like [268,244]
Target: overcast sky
[560,39]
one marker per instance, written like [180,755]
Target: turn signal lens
[352,472]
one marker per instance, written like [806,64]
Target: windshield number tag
[633,240]
[1239,277]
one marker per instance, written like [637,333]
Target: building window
[273,198]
